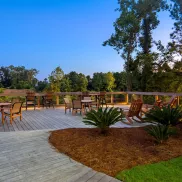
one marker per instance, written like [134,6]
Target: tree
[176,35]
[127,27]
[89,79]
[55,79]
[98,82]
[133,30]
[109,82]
[120,81]
[65,85]
[41,85]
[18,77]
[78,81]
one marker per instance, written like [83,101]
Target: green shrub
[149,99]
[160,132]
[103,118]
[165,115]
[1,90]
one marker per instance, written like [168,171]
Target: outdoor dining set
[84,102]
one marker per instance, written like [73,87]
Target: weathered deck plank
[27,156]
[48,119]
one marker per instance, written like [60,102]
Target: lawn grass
[160,172]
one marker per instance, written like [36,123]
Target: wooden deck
[28,157]
[48,119]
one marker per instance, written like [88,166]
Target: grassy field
[169,171]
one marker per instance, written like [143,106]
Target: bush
[165,115]
[103,118]
[160,132]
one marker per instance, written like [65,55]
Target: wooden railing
[111,94]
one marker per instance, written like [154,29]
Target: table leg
[89,106]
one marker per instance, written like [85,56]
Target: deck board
[48,119]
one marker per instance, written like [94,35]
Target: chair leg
[20,116]
[73,112]
[11,120]
[2,114]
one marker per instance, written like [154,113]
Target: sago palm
[164,115]
[160,132]
[103,118]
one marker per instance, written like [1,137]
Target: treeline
[22,78]
[164,79]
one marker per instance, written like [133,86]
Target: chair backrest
[135,108]
[77,104]
[158,103]
[13,100]
[87,98]
[30,96]
[102,94]
[84,94]
[66,100]
[173,101]
[49,96]
[16,107]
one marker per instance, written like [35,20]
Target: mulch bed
[120,149]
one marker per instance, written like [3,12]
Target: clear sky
[44,34]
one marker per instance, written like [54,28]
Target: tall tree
[55,79]
[133,29]
[124,40]
[120,81]
[176,35]
[98,82]
[109,82]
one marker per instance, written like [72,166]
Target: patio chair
[77,106]
[48,100]
[102,99]
[134,111]
[30,99]
[84,94]
[68,104]
[14,111]
[148,107]
[172,102]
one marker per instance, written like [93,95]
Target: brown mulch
[120,149]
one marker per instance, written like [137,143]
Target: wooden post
[126,99]
[38,101]
[57,100]
[112,99]
[156,97]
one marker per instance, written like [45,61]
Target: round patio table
[86,103]
[2,105]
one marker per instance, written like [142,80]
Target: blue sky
[44,34]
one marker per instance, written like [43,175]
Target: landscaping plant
[103,118]
[165,115]
[160,132]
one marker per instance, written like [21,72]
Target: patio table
[2,105]
[86,103]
